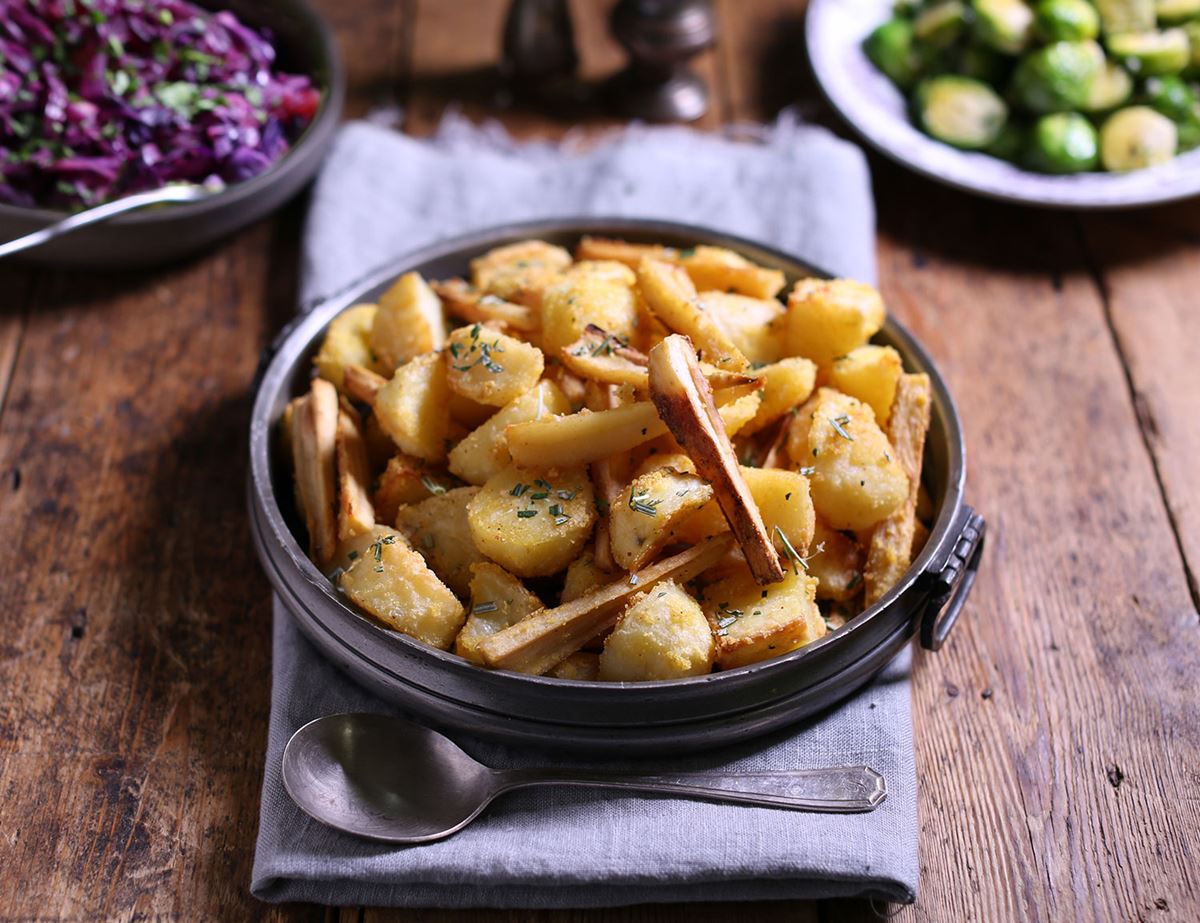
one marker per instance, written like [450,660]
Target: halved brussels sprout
[960,111]
[1057,78]
[1064,142]
[1172,96]
[940,25]
[1065,20]
[1006,25]
[890,48]
[1176,99]
[1137,137]
[1175,12]
[1118,16]
[1150,54]
[1112,87]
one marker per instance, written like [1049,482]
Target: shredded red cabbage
[101,98]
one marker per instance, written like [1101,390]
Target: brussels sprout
[1177,101]
[1113,87]
[890,48]
[1172,97]
[1064,142]
[1174,12]
[983,63]
[941,24]
[1057,78]
[1065,20]
[1118,16]
[1006,25]
[960,111]
[1010,143]
[1137,137]
[1188,134]
[1150,54]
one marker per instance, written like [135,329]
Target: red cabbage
[102,98]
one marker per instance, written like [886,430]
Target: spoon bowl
[385,778]
[395,781]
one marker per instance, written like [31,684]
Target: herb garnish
[839,424]
[526,514]
[639,504]
[432,486]
[483,607]
[518,490]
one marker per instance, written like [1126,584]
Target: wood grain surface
[1058,738]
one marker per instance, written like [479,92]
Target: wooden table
[1058,737]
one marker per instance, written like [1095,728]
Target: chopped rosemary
[565,494]
[808,470]
[791,552]
[728,617]
[353,555]
[839,424]
[377,548]
[526,514]
[519,489]
[432,486]
[483,607]
[639,504]
[540,495]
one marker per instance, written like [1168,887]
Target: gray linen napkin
[382,194]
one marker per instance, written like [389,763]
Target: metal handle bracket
[952,583]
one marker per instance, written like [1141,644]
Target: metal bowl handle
[952,583]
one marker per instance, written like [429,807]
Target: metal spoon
[178,192]
[392,780]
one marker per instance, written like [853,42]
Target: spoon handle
[179,192]
[840,790]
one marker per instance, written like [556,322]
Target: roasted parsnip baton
[362,384]
[314,436]
[890,550]
[546,638]
[588,436]
[684,401]
[355,512]
[600,356]
[672,297]
[471,304]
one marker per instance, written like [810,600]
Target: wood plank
[136,654]
[1150,274]
[1056,733]
[21,283]
[375,37]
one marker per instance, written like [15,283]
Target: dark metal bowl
[155,235]
[673,715]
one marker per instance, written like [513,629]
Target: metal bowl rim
[296,338]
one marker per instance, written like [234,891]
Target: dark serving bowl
[665,716]
[154,235]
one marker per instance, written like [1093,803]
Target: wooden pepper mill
[661,36]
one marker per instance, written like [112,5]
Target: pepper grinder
[539,57]
[661,36]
